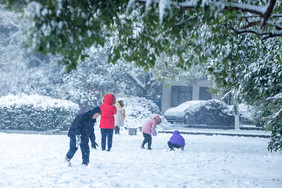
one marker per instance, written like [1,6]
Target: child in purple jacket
[176,141]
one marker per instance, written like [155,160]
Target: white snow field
[30,160]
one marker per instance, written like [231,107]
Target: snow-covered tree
[220,35]
[9,40]
[34,73]
[90,82]
[95,76]
[22,71]
[167,72]
[255,78]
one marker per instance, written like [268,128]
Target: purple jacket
[177,139]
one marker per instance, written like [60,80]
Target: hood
[158,119]
[109,99]
[176,132]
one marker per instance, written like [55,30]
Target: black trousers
[83,146]
[117,129]
[106,134]
[172,146]
[147,139]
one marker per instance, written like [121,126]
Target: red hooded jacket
[107,120]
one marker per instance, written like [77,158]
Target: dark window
[180,94]
[204,94]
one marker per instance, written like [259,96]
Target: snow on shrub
[35,112]
[247,114]
[139,110]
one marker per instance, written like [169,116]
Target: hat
[121,103]
[99,103]
[176,132]
[96,110]
[158,119]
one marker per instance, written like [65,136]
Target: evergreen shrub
[35,112]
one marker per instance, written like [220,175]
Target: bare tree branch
[276,16]
[251,24]
[137,82]
[264,13]
[265,35]
[268,12]
[278,27]
[271,35]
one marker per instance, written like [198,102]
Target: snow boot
[85,164]
[67,160]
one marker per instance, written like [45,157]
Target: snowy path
[207,161]
[211,132]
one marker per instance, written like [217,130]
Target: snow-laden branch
[264,12]
[276,16]
[136,81]
[226,95]
[251,24]
[266,35]
[258,10]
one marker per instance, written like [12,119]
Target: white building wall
[166,98]
[166,92]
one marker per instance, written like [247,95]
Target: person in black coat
[81,129]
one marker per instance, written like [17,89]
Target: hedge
[35,112]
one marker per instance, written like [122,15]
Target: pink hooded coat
[149,127]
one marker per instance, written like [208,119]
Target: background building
[180,92]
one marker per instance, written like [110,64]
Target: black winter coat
[84,124]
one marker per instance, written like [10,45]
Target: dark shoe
[67,160]
[85,164]
[142,147]
[149,148]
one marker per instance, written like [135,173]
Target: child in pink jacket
[149,129]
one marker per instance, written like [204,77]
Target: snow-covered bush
[139,110]
[35,112]
[247,114]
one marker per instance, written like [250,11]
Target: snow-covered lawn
[207,161]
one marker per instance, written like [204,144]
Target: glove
[78,140]
[94,145]
[154,132]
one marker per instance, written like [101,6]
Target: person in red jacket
[107,121]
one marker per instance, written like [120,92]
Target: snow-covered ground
[28,160]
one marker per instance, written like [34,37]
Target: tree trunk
[236,115]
